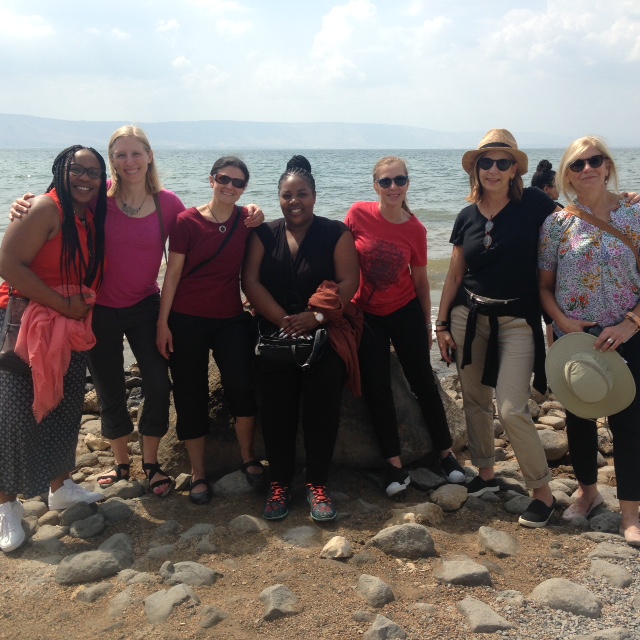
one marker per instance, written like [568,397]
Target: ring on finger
[610,340]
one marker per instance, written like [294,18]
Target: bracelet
[634,318]
[442,323]
[442,329]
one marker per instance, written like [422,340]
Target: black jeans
[231,344]
[582,434]
[314,396]
[106,362]
[407,331]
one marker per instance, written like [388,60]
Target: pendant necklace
[131,211]
[222,227]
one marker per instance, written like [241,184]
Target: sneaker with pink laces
[322,507]
[277,505]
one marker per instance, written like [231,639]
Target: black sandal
[256,480]
[153,468]
[202,497]
[121,471]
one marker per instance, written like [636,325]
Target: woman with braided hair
[54,257]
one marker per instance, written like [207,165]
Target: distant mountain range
[29,132]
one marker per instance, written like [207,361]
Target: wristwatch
[318,316]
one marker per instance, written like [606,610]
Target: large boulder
[356,445]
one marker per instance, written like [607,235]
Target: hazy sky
[567,67]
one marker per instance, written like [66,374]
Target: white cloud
[181,62]
[14,26]
[120,35]
[168,25]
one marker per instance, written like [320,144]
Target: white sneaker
[12,534]
[71,493]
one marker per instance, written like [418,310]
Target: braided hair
[71,248]
[544,175]
[298,166]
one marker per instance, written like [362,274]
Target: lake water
[437,192]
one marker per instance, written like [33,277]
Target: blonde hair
[577,148]
[516,185]
[392,160]
[153,184]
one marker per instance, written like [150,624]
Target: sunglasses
[399,181]
[594,162]
[488,240]
[238,183]
[78,170]
[504,164]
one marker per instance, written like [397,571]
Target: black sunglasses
[488,240]
[504,164]
[594,162]
[78,170]
[400,181]
[238,183]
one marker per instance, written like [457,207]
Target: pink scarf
[45,342]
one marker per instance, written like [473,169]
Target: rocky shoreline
[441,564]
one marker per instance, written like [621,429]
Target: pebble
[463,572]
[616,576]
[481,618]
[425,479]
[125,489]
[211,616]
[450,497]
[88,528]
[375,591]
[559,593]
[500,543]
[192,573]
[93,593]
[384,629]
[89,566]
[246,524]
[160,605]
[232,485]
[196,532]
[405,541]
[337,548]
[279,601]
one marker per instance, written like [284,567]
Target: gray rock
[169,529]
[160,605]
[481,618]
[87,460]
[120,542]
[362,559]
[79,511]
[211,616]
[405,541]
[517,505]
[93,593]
[617,633]
[192,573]
[114,511]
[30,525]
[161,552]
[613,551]
[126,574]
[554,443]
[512,486]
[196,532]
[206,545]
[558,593]
[450,497]
[376,592]
[121,602]
[478,505]
[606,522]
[364,616]
[246,524]
[511,597]
[88,528]
[500,543]
[183,480]
[384,629]
[47,532]
[338,547]
[304,536]
[232,485]
[425,479]
[49,547]
[279,601]
[34,508]
[125,489]
[556,422]
[463,572]
[90,566]
[427,512]
[51,517]
[612,573]
[558,484]
[562,499]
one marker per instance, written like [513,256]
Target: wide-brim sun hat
[496,140]
[588,382]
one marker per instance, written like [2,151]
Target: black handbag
[9,360]
[286,352]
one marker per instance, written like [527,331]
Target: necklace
[131,211]
[222,227]
[82,218]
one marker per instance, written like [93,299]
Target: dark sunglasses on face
[594,162]
[399,181]
[238,183]
[504,164]
[77,170]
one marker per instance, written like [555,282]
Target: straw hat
[589,383]
[498,140]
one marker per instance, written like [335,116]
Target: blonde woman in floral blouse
[588,277]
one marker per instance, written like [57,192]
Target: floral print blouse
[597,277]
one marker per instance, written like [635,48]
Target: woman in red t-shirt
[395,297]
[201,311]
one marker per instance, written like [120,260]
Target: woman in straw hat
[489,318]
[589,277]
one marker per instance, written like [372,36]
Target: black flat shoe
[256,480]
[202,497]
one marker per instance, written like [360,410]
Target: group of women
[364,281]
